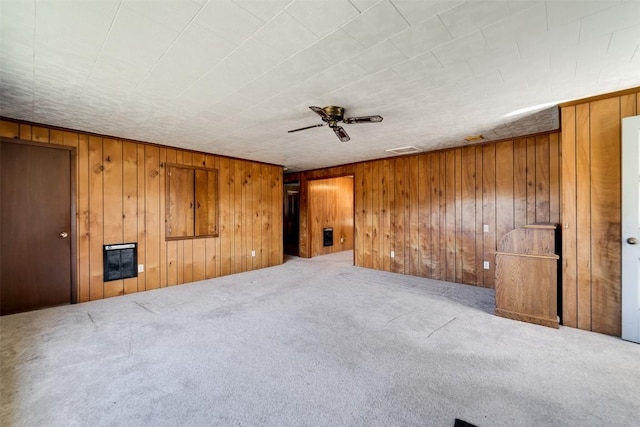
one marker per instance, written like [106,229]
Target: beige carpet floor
[309,343]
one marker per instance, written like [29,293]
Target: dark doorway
[36,234]
[291,233]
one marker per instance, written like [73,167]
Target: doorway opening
[291,222]
[330,215]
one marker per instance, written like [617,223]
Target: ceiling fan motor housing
[333,114]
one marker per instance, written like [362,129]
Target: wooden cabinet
[191,202]
[527,275]
[206,214]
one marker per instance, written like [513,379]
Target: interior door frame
[72,208]
[630,297]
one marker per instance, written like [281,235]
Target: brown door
[35,227]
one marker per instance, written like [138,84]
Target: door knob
[63,234]
[632,241]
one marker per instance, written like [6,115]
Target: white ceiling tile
[560,37]
[417,66]
[112,74]
[232,105]
[524,69]
[286,35]
[598,59]
[289,99]
[255,57]
[75,56]
[559,12]
[609,20]
[625,43]
[196,51]
[79,59]
[295,69]
[421,37]
[228,20]
[418,11]
[17,21]
[470,16]
[352,95]
[171,75]
[172,13]
[299,67]
[75,68]
[418,87]
[449,75]
[380,56]
[363,5]
[10,87]
[616,72]
[460,49]
[562,65]
[322,18]
[589,49]
[636,57]
[336,47]
[329,80]
[516,6]
[263,9]
[138,40]
[16,55]
[493,58]
[377,23]
[85,23]
[217,84]
[529,23]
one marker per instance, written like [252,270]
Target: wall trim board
[329,172]
[62,129]
[620,93]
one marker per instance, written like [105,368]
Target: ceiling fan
[331,115]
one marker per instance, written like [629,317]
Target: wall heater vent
[120,261]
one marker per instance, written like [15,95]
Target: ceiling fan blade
[340,132]
[319,111]
[363,119]
[306,127]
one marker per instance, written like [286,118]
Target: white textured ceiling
[232,76]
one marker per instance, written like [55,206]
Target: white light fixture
[532,108]
[404,150]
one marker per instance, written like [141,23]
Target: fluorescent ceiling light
[404,150]
[533,108]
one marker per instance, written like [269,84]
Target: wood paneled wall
[331,205]
[121,199]
[591,210]
[430,209]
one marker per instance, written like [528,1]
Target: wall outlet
[140,268]
[486,228]
[486,265]
[253,253]
[393,254]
